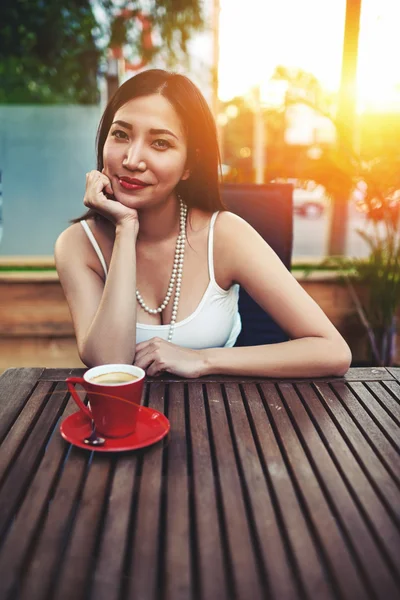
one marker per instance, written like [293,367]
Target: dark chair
[269,209]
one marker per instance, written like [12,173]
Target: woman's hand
[157,355]
[99,197]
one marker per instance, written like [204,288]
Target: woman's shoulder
[230,233]
[101,228]
[74,242]
[230,228]
[227,227]
[69,237]
[225,220]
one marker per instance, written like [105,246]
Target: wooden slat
[377,413]
[381,430]
[142,568]
[327,536]
[367,374]
[353,374]
[245,576]
[369,442]
[211,577]
[74,572]
[24,466]
[345,510]
[177,558]
[107,574]
[22,425]
[48,551]
[388,394]
[303,555]
[15,387]
[280,582]
[29,517]
[356,461]
[60,374]
[395,372]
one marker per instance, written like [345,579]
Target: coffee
[114,378]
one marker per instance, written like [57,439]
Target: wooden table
[263,489]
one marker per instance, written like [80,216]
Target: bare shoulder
[71,240]
[235,244]
[227,222]
[233,232]
[74,246]
[230,231]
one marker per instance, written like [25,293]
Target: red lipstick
[131,183]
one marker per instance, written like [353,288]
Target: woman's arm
[305,357]
[104,315]
[315,349]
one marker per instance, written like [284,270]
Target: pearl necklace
[175,275]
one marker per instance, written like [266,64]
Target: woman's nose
[133,159]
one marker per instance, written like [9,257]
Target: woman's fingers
[157,355]
[153,370]
[148,356]
[142,345]
[149,363]
[143,362]
[99,196]
[108,190]
[144,358]
[95,183]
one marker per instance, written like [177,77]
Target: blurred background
[305,92]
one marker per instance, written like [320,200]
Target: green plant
[375,174]
[52,51]
[378,274]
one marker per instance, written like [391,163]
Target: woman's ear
[187,172]
[186,175]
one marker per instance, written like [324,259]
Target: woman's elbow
[87,361]
[91,359]
[87,356]
[341,359]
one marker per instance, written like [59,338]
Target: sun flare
[309,35]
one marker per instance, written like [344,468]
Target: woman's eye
[120,135]
[161,144]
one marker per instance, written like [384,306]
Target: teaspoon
[93,439]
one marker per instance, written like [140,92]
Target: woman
[151,271]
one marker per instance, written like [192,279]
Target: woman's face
[145,151]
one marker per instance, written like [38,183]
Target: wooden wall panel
[38,352]
[36,327]
[29,308]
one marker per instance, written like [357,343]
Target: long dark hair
[201,189]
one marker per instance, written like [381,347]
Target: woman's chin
[129,200]
[139,200]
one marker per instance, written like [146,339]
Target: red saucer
[151,427]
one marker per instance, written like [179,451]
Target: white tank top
[215,322]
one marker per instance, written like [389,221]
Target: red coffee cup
[115,393]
